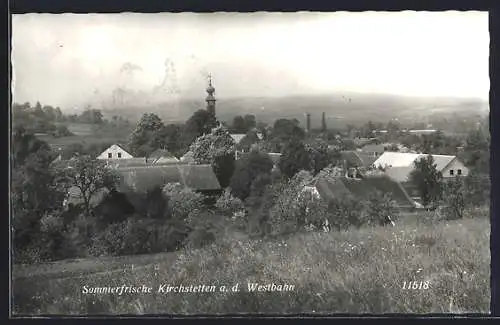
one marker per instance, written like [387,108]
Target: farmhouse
[142,179]
[115,152]
[449,166]
[398,166]
[337,187]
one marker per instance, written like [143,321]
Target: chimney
[323,122]
[308,122]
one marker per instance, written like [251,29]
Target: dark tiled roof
[352,158]
[197,177]
[337,187]
[366,186]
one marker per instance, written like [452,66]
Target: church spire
[210,98]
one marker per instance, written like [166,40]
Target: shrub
[289,211]
[205,228]
[227,204]
[453,199]
[344,212]
[379,207]
[182,201]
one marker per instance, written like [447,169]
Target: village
[374,166]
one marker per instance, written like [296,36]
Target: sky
[70,59]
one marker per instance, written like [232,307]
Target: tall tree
[247,171]
[294,158]
[146,137]
[90,176]
[250,121]
[427,179]
[239,125]
[216,148]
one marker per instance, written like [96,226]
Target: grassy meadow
[356,271]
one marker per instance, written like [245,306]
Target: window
[459,172]
[119,155]
[451,172]
[110,155]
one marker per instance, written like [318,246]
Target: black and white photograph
[264,163]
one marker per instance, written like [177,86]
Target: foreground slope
[358,271]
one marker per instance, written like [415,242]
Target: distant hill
[340,109]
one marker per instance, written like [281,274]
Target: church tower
[210,98]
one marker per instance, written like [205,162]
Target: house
[162,156]
[188,158]
[357,159]
[374,149]
[141,179]
[399,166]
[449,166]
[114,152]
[275,157]
[337,187]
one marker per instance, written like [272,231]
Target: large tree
[427,179]
[247,171]
[90,176]
[294,158]
[146,137]
[216,148]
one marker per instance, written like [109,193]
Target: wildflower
[419,270]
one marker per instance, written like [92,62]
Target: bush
[205,228]
[289,211]
[227,204]
[182,200]
[345,212]
[379,207]
[453,199]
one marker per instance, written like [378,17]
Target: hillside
[356,271]
[340,109]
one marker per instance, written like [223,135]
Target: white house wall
[114,150]
[455,165]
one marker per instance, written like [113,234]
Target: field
[87,133]
[357,271]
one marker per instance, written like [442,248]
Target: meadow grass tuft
[355,271]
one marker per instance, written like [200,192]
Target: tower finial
[210,79]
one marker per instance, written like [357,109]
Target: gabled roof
[237,137]
[115,145]
[373,148]
[399,174]
[352,158]
[197,177]
[275,156]
[337,187]
[162,154]
[403,159]
[188,157]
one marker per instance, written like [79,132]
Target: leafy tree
[146,137]
[319,155]
[477,151]
[250,121]
[90,176]
[239,125]
[286,130]
[427,179]
[248,141]
[248,169]
[216,148]
[294,158]
[170,135]
[380,206]
[25,144]
[201,122]
[454,198]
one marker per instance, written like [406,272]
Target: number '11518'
[416,285]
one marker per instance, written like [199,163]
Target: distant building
[399,166]
[114,152]
[374,150]
[162,156]
[328,188]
